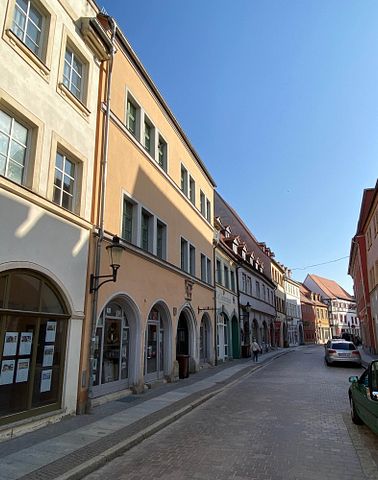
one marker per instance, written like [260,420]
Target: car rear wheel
[354,415]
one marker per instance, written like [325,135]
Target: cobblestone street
[289,420]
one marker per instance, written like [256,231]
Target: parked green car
[363,397]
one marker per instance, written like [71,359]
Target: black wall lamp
[115,250]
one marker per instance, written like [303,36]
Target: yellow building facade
[158,199]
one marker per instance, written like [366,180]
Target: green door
[235,338]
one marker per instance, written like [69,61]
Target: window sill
[75,102]
[31,58]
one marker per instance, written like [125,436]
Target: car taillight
[331,351]
[356,352]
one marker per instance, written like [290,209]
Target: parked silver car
[341,351]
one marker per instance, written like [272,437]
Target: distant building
[255,285]
[341,305]
[293,310]
[314,316]
[281,328]
[227,305]
[363,268]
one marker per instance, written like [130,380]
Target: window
[127,220]
[192,190]
[148,137]
[13,148]
[184,180]
[232,280]
[161,236]
[64,182]
[27,25]
[162,153]
[209,274]
[208,210]
[73,74]
[203,268]
[146,233]
[244,282]
[219,272]
[184,255]
[369,238]
[202,203]
[131,117]
[257,289]
[263,289]
[248,285]
[226,277]
[192,260]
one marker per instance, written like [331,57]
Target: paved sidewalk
[366,357]
[78,445]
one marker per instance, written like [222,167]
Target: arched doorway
[264,340]
[157,344]
[182,341]
[223,337]
[32,344]
[205,340]
[235,337]
[115,347]
[271,330]
[255,330]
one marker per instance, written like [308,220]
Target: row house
[363,268]
[48,114]
[295,334]
[256,290]
[342,312]
[155,203]
[281,329]
[314,316]
[226,295]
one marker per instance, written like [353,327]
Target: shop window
[111,346]
[32,345]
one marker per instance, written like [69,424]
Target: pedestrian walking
[255,350]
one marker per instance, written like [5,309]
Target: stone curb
[95,463]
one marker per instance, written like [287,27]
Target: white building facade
[48,111]
[295,334]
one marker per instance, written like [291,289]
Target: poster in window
[10,344]
[50,331]
[48,356]
[26,341]
[22,374]
[7,372]
[46,380]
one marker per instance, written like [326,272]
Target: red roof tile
[331,288]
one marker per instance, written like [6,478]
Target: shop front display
[111,349]
[154,347]
[33,325]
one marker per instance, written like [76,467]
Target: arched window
[33,324]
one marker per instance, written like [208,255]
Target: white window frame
[203,204]
[134,220]
[151,233]
[184,254]
[192,190]
[84,73]
[165,156]
[151,150]
[75,178]
[27,146]
[164,240]
[184,180]
[130,98]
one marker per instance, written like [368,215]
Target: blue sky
[280,100]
